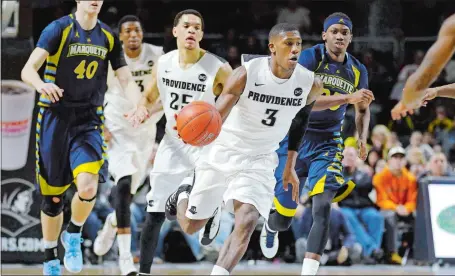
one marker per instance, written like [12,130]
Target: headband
[337,20]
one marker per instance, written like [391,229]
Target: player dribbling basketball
[179,78]
[258,105]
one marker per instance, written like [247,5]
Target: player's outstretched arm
[296,133]
[129,86]
[146,102]
[434,61]
[326,102]
[232,90]
[29,75]
[445,91]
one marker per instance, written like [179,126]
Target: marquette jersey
[78,61]
[338,78]
[179,87]
[264,113]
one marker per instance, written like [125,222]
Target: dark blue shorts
[318,166]
[69,141]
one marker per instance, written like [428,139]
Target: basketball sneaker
[171,203]
[126,265]
[73,253]
[52,268]
[106,237]
[211,229]
[269,241]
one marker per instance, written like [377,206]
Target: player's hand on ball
[52,91]
[291,177]
[137,116]
[363,152]
[362,95]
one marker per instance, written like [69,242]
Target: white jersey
[179,87]
[141,69]
[263,115]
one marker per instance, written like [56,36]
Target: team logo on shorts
[298,91]
[17,200]
[150,63]
[193,210]
[202,77]
[151,203]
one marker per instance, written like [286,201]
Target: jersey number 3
[271,119]
[86,72]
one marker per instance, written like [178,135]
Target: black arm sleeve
[116,56]
[299,126]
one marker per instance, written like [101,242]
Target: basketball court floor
[205,268]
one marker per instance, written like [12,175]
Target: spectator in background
[404,74]
[428,139]
[252,46]
[441,123]
[415,161]
[396,190]
[296,15]
[394,140]
[416,141]
[380,138]
[437,166]
[233,56]
[365,221]
[221,48]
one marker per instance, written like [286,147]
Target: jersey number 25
[179,101]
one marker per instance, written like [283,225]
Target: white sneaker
[269,242]
[208,234]
[106,236]
[126,265]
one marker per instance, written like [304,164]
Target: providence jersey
[264,113]
[141,67]
[116,102]
[78,61]
[338,78]
[179,87]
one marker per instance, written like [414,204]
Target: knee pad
[51,208]
[278,222]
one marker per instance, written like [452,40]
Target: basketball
[199,123]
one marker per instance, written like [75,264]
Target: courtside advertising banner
[21,238]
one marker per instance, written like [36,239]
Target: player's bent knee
[247,219]
[87,193]
[52,205]
[87,185]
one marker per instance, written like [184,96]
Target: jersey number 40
[88,72]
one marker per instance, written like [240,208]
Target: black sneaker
[171,203]
[211,229]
